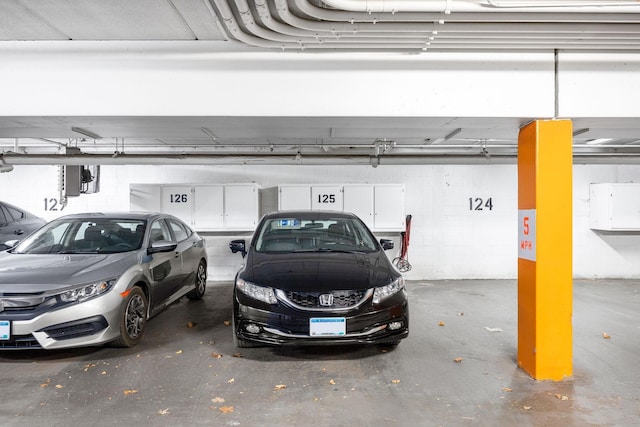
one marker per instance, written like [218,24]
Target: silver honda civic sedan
[90,279]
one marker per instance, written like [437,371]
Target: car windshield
[293,234]
[84,236]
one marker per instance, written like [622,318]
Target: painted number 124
[479,204]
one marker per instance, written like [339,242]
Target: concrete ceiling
[275,25]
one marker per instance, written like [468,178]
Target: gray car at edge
[91,279]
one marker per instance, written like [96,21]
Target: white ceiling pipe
[514,15]
[450,6]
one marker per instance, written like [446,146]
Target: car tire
[133,318]
[201,282]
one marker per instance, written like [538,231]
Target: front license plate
[327,326]
[5,330]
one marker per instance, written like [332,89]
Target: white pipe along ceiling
[422,25]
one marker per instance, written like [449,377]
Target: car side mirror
[238,246]
[161,246]
[386,244]
[11,243]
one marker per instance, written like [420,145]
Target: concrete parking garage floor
[457,368]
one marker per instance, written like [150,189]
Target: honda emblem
[326,300]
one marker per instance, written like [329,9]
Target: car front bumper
[387,324]
[92,322]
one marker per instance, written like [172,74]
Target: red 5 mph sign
[527,234]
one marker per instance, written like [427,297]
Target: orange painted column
[545,275]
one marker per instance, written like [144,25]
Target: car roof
[119,215]
[311,214]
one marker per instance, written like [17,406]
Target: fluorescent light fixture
[599,141]
[85,133]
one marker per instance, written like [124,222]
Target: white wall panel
[448,239]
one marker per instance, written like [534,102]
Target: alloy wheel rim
[135,316]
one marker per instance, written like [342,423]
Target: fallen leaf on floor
[103,373]
[216,355]
[217,400]
[562,397]
[59,386]
[179,352]
[458,360]
[231,381]
[90,365]
[236,355]
[526,408]
[507,389]
[164,411]
[279,387]
[191,324]
[460,314]
[606,336]
[395,381]
[46,383]
[332,382]
[441,324]
[226,409]
[227,323]
[128,392]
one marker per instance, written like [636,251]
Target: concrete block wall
[464,216]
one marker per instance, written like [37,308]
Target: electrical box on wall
[614,206]
[216,207]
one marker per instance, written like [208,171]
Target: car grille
[19,342]
[312,300]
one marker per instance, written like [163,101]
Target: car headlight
[260,293]
[85,292]
[384,292]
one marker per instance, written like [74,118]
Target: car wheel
[133,318]
[201,282]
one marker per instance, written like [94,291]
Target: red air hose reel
[402,262]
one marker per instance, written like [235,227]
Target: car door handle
[18,232]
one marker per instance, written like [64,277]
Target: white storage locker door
[358,199]
[144,198]
[240,207]
[208,213]
[326,198]
[177,200]
[625,207]
[294,197]
[388,208]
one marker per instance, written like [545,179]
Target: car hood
[49,272]
[319,271]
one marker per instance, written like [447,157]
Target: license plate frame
[5,330]
[327,326]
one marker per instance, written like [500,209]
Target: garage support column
[545,161]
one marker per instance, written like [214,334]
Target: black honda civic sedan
[315,278]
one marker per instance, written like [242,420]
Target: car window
[298,234]
[179,231]
[159,231]
[15,213]
[3,216]
[79,235]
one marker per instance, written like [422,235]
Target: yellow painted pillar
[545,276]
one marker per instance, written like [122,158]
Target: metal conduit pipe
[449,6]
[315,12]
[274,160]
[266,38]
